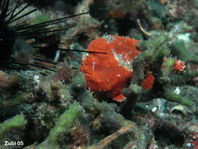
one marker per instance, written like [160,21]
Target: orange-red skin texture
[103,72]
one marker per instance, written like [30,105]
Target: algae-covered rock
[64,123]
[15,122]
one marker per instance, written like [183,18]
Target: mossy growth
[63,125]
[15,122]
[168,66]
[153,59]
[16,100]
[79,84]
[172,96]
[41,18]
[65,97]
[156,46]
[152,56]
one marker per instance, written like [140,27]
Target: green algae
[63,125]
[16,100]
[15,122]
[170,95]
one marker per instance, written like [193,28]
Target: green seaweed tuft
[15,122]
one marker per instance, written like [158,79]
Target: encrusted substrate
[138,91]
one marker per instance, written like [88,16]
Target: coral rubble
[62,62]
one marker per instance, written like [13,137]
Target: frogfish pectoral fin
[120,97]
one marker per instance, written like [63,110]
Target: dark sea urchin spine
[13,47]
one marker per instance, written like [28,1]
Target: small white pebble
[189,144]
[36,79]
[154,109]
[177,91]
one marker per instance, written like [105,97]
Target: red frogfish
[109,73]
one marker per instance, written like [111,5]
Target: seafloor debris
[142,54]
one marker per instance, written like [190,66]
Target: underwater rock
[192,136]
[7,81]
